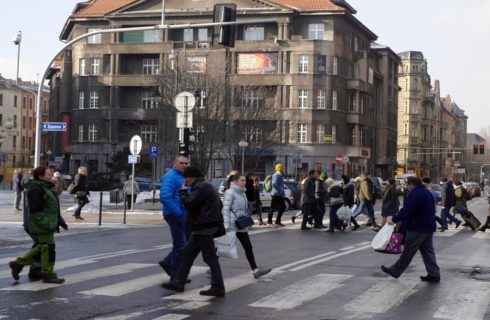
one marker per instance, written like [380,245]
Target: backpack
[466,195]
[268,183]
[335,192]
[71,188]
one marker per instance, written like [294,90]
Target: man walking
[174,214]
[17,188]
[448,200]
[278,194]
[308,204]
[366,198]
[205,218]
[418,217]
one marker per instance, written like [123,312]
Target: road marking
[81,277]
[127,316]
[191,305]
[448,233]
[58,266]
[283,267]
[468,300]
[481,235]
[309,264]
[130,286]
[302,291]
[6,260]
[172,316]
[381,297]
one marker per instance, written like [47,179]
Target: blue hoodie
[172,182]
[418,212]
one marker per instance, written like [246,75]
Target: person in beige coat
[129,190]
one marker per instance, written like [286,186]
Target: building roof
[411,55]
[475,137]
[312,5]
[99,8]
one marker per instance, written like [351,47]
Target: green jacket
[42,206]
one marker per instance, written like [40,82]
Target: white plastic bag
[383,237]
[226,245]
[344,213]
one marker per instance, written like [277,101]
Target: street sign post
[135,146]
[54,126]
[184,102]
[153,152]
[345,159]
[338,159]
[153,155]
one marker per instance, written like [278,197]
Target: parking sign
[153,151]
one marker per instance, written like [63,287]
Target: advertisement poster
[257,63]
[196,64]
[321,64]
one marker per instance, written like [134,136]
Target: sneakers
[214,292]
[428,278]
[18,209]
[388,271]
[53,280]
[174,285]
[16,269]
[279,224]
[260,272]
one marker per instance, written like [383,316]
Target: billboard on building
[257,63]
[195,64]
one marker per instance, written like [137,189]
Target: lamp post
[17,40]
[243,144]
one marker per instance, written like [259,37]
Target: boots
[485,226]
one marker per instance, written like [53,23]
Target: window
[30,103]
[302,132]
[23,122]
[30,123]
[94,66]
[320,133]
[188,35]
[24,102]
[315,31]
[81,66]
[303,64]
[1,100]
[252,99]
[255,135]
[414,130]
[254,33]
[97,38]
[80,132]
[147,102]
[45,106]
[149,133]
[334,133]
[81,100]
[303,99]
[414,107]
[334,100]
[15,121]
[320,99]
[1,119]
[140,36]
[92,132]
[15,101]
[94,100]
[23,144]
[151,66]
[29,141]
[335,65]
[353,102]
[14,142]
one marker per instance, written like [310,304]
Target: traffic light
[475,149]
[224,35]
[189,140]
[482,149]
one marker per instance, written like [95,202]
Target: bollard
[124,214]
[100,209]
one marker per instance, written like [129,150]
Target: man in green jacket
[43,220]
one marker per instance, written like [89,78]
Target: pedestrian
[249,186]
[17,188]
[175,214]
[461,195]
[419,223]
[366,199]
[226,185]
[235,205]
[257,202]
[486,224]
[348,198]
[308,205]
[204,217]
[335,201]
[300,212]
[81,192]
[278,194]
[27,178]
[43,220]
[448,200]
[130,190]
[321,196]
[59,181]
[391,203]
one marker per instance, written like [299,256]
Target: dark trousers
[320,203]
[82,201]
[204,244]
[334,220]
[417,241]
[244,239]
[277,203]
[179,232]
[128,200]
[310,211]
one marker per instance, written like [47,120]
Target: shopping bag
[383,237]
[226,245]
[395,244]
[344,213]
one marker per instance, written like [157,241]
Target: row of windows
[93,133]
[93,102]
[24,102]
[302,134]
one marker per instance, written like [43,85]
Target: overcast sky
[453,35]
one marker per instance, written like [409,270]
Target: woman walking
[235,205]
[82,193]
[391,204]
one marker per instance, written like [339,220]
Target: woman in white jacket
[235,205]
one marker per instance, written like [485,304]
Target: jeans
[365,204]
[244,239]
[258,211]
[180,235]
[417,241]
[82,201]
[334,220]
[446,215]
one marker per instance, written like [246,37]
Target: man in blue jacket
[418,217]
[175,215]
[278,194]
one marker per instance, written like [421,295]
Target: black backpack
[335,192]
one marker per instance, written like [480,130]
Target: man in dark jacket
[348,198]
[204,216]
[448,200]
[17,188]
[418,217]
[82,193]
[309,206]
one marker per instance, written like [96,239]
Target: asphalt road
[112,274]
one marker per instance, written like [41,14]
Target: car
[476,189]
[436,190]
[144,183]
[296,190]
[218,182]
[401,187]
[469,188]
[378,187]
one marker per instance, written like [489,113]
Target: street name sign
[54,126]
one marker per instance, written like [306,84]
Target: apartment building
[326,85]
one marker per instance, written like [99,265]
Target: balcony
[357,118]
[356,84]
[133,80]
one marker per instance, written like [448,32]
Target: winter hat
[192,172]
[323,175]
[279,167]
[329,181]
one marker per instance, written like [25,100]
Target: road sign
[181,120]
[153,151]
[345,160]
[132,159]
[338,159]
[328,137]
[54,126]
[183,99]
[135,145]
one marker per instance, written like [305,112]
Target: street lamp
[17,40]
[243,144]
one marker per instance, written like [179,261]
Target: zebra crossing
[292,290]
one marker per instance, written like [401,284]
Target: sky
[452,34]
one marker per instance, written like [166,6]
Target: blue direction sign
[54,126]
[153,151]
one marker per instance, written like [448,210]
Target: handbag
[243,222]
